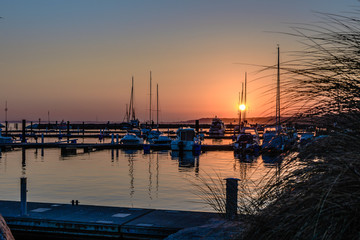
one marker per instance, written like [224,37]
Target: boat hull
[178,145]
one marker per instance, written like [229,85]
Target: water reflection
[3,162]
[248,158]
[36,153]
[187,160]
[130,154]
[23,161]
[273,161]
[134,179]
[245,163]
[150,176]
[112,154]
[217,141]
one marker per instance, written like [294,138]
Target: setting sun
[242,107]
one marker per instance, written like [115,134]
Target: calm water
[161,179]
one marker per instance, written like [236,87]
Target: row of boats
[274,138]
[186,139]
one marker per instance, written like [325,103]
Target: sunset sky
[75,58]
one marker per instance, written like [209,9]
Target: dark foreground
[65,221]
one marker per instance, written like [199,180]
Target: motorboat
[131,139]
[152,135]
[217,127]
[137,132]
[306,137]
[273,139]
[162,139]
[186,140]
[247,141]
[4,139]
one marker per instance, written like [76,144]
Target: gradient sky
[75,58]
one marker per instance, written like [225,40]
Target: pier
[69,221]
[99,146]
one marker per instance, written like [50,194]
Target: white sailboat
[156,136]
[131,120]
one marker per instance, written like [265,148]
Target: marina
[179,120]
[158,183]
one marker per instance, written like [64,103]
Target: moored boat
[186,140]
[131,139]
[162,139]
[273,140]
[247,141]
[217,127]
[4,139]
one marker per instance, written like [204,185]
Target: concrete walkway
[88,221]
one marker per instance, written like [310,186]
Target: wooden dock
[99,146]
[67,221]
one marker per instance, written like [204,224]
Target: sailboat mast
[150,100]
[239,112]
[278,90]
[131,105]
[157,106]
[127,114]
[6,109]
[245,96]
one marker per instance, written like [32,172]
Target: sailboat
[248,140]
[159,137]
[148,126]
[131,120]
[273,138]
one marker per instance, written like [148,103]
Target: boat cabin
[186,134]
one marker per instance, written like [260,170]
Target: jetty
[99,146]
[74,220]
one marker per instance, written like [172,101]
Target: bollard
[68,131]
[231,197]
[23,137]
[197,126]
[117,138]
[23,192]
[112,138]
[6,128]
[42,138]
